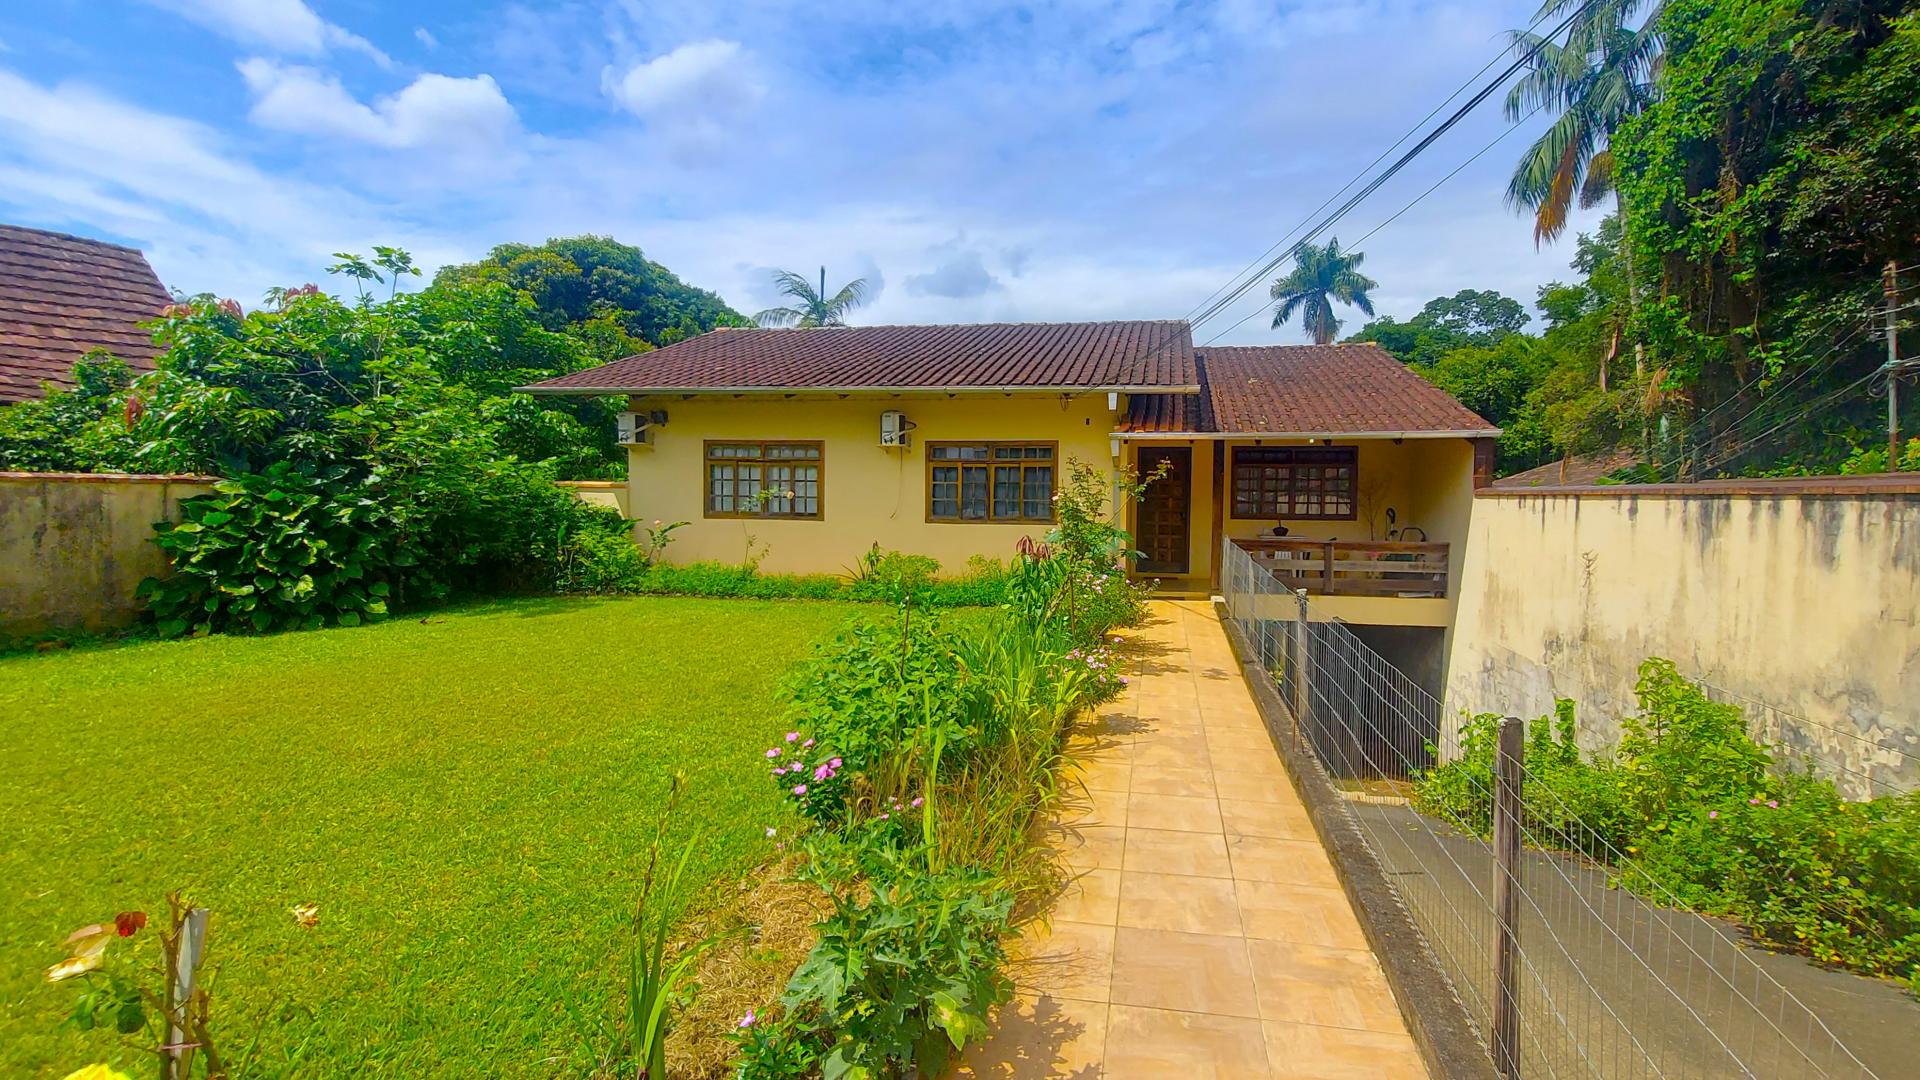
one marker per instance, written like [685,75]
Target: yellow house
[1348,474]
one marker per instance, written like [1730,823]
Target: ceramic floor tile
[1156,1044]
[1174,780]
[1091,896]
[1305,1052]
[1039,1037]
[1164,969]
[1298,913]
[1094,807]
[1180,812]
[1267,858]
[1265,763]
[1251,787]
[1284,819]
[1162,851]
[1194,905]
[1067,959]
[1101,773]
[1309,984]
[1087,847]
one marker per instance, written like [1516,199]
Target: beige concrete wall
[73,547]
[612,494]
[869,493]
[1798,594]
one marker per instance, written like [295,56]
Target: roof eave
[1459,433]
[653,391]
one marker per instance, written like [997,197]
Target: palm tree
[813,307]
[1320,276]
[1599,78]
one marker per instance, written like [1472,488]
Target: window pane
[720,489]
[1006,491]
[973,493]
[1038,492]
[779,488]
[944,492]
[806,490]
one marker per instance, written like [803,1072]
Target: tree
[1600,77]
[1320,276]
[581,280]
[1476,317]
[811,306]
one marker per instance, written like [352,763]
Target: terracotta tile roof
[1303,390]
[1093,355]
[61,296]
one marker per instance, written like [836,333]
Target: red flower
[129,923]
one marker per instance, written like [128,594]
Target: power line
[1539,18]
[1392,170]
[1417,199]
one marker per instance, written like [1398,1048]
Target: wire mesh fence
[1605,981]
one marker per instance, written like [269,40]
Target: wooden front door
[1164,516]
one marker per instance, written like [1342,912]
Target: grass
[465,797]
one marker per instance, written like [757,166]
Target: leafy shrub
[982,586]
[278,550]
[892,576]
[904,974]
[1686,806]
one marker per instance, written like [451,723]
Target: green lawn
[465,796]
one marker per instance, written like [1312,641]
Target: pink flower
[917,800]
[747,1020]
[1753,802]
[823,772]
[799,789]
[808,745]
[1712,814]
[793,736]
[834,763]
[1774,803]
[773,753]
[884,817]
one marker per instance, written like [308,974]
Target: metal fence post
[1302,693]
[1506,897]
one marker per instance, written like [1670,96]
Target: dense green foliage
[467,799]
[606,293]
[1688,807]
[1763,164]
[921,754]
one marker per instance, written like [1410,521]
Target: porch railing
[1353,567]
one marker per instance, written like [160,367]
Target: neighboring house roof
[62,296]
[1304,390]
[979,356]
[1573,471]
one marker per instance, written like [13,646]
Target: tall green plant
[658,978]
[1320,276]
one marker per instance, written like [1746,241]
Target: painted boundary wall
[74,546]
[1802,594]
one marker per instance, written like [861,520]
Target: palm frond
[779,316]
[1599,182]
[1289,303]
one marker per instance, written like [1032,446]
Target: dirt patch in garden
[768,920]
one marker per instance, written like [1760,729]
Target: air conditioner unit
[635,429]
[894,427]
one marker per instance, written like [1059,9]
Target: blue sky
[977,160]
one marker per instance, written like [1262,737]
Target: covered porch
[1369,523]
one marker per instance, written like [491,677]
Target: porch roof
[1303,391]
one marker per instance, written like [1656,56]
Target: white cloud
[714,77]
[434,111]
[285,26]
[73,157]
[425,37]
[960,274]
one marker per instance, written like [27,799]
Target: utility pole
[1890,284]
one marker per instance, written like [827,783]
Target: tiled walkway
[1204,933]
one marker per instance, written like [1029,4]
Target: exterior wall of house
[74,546]
[1427,482]
[1802,595]
[869,493]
